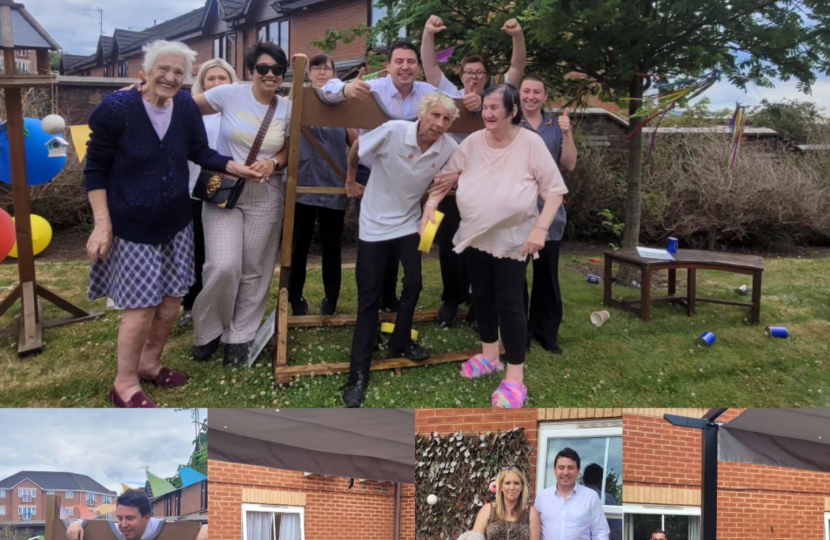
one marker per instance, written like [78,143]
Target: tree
[698,115]
[799,121]
[55,60]
[621,45]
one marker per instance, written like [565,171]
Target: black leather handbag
[223,189]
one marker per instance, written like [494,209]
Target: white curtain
[694,528]
[628,525]
[290,527]
[260,525]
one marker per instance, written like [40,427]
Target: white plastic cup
[600,317]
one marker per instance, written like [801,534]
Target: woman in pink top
[500,171]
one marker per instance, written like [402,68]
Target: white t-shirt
[212,128]
[241,116]
[400,176]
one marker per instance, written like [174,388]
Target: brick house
[190,500]
[225,28]
[596,434]
[23,495]
[25,62]
[326,506]
[662,487]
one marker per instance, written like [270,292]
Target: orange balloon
[7,234]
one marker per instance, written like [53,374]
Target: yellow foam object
[388,328]
[41,235]
[80,136]
[429,232]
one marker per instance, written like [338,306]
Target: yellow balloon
[41,235]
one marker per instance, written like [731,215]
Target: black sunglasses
[276,69]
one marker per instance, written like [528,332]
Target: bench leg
[645,294]
[672,281]
[606,281]
[755,316]
[691,291]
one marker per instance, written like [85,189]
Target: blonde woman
[211,74]
[511,517]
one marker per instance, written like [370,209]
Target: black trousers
[545,314]
[454,273]
[198,255]
[499,301]
[390,275]
[331,237]
[372,261]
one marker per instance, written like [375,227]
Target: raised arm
[432,71]
[518,61]
[568,158]
[204,107]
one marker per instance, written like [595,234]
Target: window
[107,499]
[26,495]
[124,68]
[70,494]
[679,522]
[2,493]
[22,67]
[107,71]
[23,52]
[599,445]
[275,32]
[827,526]
[70,511]
[267,522]
[204,495]
[90,499]
[224,47]
[27,513]
[2,510]
[379,13]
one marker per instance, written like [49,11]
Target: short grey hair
[442,100]
[153,50]
[199,83]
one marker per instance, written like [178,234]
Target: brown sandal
[167,378]
[138,401]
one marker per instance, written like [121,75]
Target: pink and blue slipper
[509,395]
[479,366]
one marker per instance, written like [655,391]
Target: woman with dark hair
[328,210]
[501,170]
[241,243]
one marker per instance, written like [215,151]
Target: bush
[689,192]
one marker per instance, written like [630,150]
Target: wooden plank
[25,81]
[10,299]
[62,303]
[322,152]
[315,321]
[7,36]
[755,315]
[285,373]
[31,331]
[99,529]
[322,190]
[54,526]
[64,321]
[282,329]
[20,184]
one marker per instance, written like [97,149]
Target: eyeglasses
[276,69]
[317,69]
[475,74]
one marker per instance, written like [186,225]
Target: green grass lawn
[624,363]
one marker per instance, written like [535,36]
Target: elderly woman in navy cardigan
[141,248]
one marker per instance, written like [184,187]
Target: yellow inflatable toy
[41,235]
[429,232]
[388,328]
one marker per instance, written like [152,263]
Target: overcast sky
[109,445]
[76,30]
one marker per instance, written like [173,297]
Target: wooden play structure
[103,529]
[309,111]
[18,29]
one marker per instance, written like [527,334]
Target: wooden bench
[692,261]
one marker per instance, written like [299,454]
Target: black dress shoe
[413,352]
[203,353]
[548,345]
[448,313]
[236,353]
[298,309]
[327,307]
[354,393]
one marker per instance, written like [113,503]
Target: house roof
[127,39]
[171,28]
[158,486]
[105,45]
[234,8]
[68,60]
[56,481]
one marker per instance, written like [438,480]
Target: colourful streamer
[737,125]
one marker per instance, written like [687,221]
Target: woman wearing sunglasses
[241,243]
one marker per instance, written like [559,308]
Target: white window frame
[23,53]
[2,510]
[264,33]
[50,493]
[382,12]
[662,510]
[70,511]
[2,493]
[25,497]
[70,494]
[275,509]
[20,512]
[577,430]
[91,496]
[827,526]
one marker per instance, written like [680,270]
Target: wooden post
[53,518]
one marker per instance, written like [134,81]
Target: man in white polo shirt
[567,510]
[132,511]
[407,157]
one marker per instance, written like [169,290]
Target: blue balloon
[40,166]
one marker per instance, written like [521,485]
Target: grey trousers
[240,253]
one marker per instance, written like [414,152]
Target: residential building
[23,495]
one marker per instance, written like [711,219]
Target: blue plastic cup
[593,279]
[672,245]
[777,332]
[706,340]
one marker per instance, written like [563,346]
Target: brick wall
[366,512]
[203,46]
[311,25]
[754,501]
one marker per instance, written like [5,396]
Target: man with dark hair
[659,534]
[592,478]
[569,511]
[132,510]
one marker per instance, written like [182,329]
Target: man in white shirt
[400,93]
[133,515]
[407,157]
[569,511]
[659,534]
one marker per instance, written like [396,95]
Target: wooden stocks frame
[99,529]
[309,111]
